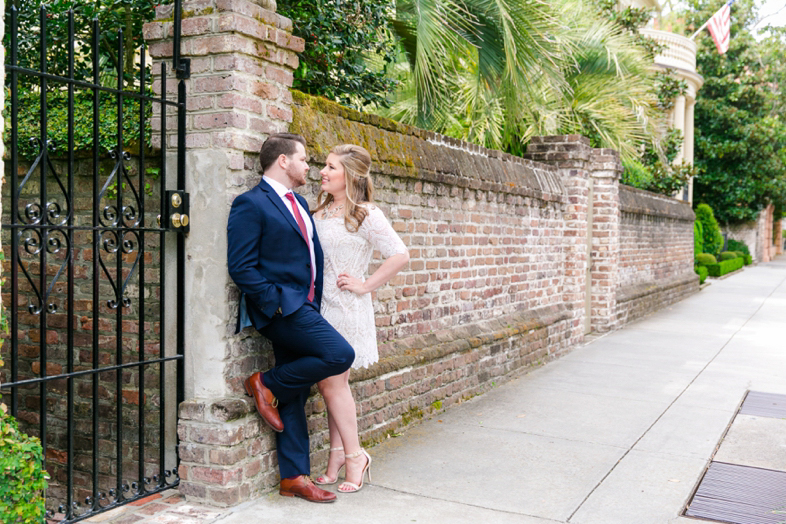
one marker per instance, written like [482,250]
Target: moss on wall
[405,151]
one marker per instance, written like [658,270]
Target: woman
[350,228]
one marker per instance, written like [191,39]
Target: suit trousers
[307,349]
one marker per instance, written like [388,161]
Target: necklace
[330,213]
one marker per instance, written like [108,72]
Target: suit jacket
[267,256]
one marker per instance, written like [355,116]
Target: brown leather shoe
[265,401]
[304,488]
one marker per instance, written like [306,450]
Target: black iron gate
[93,229]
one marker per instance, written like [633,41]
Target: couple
[277,255]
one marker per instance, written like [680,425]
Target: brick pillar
[778,236]
[571,155]
[606,169]
[242,60]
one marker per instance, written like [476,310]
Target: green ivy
[349,47]
[24,479]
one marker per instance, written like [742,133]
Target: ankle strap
[341,448]
[355,454]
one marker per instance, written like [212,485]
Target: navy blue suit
[270,262]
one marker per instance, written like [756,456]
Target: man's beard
[295,176]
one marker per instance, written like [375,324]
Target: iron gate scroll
[93,364]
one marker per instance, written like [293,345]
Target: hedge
[728,255]
[725,266]
[748,260]
[705,259]
[702,271]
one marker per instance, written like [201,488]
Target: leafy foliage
[631,19]
[713,239]
[740,117]
[498,73]
[24,480]
[113,16]
[703,272]
[736,245]
[349,47]
[57,126]
[669,86]
[655,170]
[698,239]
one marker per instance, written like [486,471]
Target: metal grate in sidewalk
[764,405]
[740,495]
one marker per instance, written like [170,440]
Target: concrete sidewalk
[618,432]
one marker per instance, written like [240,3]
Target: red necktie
[303,231]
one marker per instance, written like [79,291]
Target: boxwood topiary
[24,480]
[713,239]
[728,255]
[705,259]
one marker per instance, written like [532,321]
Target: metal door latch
[177,209]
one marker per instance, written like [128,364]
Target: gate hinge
[177,209]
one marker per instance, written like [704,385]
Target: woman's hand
[347,282]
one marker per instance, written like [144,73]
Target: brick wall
[497,282]
[656,253]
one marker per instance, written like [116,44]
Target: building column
[242,60]
[678,122]
[689,139]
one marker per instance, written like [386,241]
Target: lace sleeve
[379,233]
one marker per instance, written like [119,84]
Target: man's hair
[276,145]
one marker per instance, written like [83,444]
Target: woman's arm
[385,272]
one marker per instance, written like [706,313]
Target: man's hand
[347,282]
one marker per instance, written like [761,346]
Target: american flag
[720,27]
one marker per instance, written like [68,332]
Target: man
[275,259]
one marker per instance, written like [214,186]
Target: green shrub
[736,245]
[725,266]
[748,260]
[635,174]
[739,254]
[713,239]
[705,259]
[698,239]
[24,480]
[702,271]
[728,255]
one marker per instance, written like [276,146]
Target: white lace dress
[346,252]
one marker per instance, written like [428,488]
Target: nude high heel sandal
[349,487]
[323,479]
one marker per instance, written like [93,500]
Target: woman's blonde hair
[360,189]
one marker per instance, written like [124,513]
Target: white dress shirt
[282,190]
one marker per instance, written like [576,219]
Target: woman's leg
[341,408]
[335,458]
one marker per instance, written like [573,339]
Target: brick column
[606,169]
[242,58]
[571,155]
